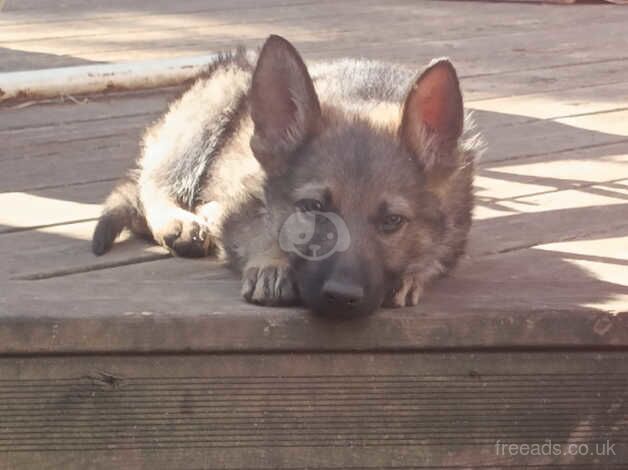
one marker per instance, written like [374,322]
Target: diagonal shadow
[14,60]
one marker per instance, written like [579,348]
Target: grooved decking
[421,408]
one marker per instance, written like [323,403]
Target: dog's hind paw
[270,284]
[188,238]
[407,293]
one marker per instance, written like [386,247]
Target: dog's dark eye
[309,205]
[392,222]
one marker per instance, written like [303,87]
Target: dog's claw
[407,294]
[269,285]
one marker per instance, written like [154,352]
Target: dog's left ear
[433,115]
[284,105]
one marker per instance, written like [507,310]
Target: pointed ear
[284,106]
[433,115]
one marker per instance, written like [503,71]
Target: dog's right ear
[433,115]
[284,106]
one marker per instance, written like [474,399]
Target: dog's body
[251,145]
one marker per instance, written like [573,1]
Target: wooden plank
[81,166]
[534,137]
[523,229]
[12,60]
[535,80]
[543,200]
[198,14]
[44,12]
[103,148]
[560,84]
[521,36]
[517,206]
[73,130]
[593,99]
[549,198]
[88,109]
[492,301]
[59,145]
[62,249]
[52,206]
[97,144]
[481,87]
[248,23]
[519,52]
[565,182]
[544,105]
[479,56]
[597,271]
[354,411]
[18,15]
[579,188]
[185,316]
[612,122]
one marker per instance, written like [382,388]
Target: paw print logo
[314,235]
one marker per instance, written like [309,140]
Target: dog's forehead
[369,151]
[356,147]
[359,167]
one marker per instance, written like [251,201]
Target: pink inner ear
[437,101]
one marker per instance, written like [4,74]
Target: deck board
[410,32]
[390,420]
[343,405]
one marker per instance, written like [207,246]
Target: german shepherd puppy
[342,188]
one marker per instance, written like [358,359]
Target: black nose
[342,294]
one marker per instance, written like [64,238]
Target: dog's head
[357,198]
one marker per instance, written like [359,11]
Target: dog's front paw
[187,238]
[407,293]
[269,283]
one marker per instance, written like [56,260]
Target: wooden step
[317,411]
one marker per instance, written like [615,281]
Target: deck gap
[86,269]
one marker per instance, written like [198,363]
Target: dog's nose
[342,294]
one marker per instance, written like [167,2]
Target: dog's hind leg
[181,231]
[176,164]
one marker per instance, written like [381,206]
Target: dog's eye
[392,222]
[309,205]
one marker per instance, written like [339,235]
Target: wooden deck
[140,360]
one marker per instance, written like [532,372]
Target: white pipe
[48,83]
